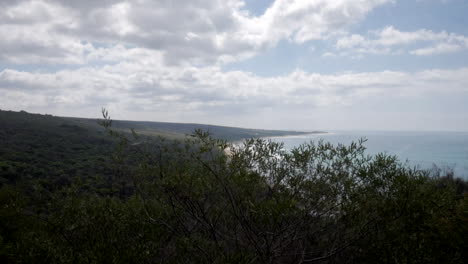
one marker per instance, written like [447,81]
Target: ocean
[421,149]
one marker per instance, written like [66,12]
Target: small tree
[205,200]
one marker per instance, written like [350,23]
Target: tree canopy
[205,200]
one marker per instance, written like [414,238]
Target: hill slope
[34,146]
[180,130]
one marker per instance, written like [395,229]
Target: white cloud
[164,91]
[199,31]
[438,49]
[28,36]
[391,41]
[162,60]
[302,21]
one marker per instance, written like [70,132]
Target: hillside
[180,130]
[70,193]
[57,149]
[51,148]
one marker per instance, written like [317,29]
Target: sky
[273,64]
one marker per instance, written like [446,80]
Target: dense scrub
[208,201]
[51,149]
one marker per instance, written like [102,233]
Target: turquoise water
[423,149]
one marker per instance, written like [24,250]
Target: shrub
[208,201]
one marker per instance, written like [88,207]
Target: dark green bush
[208,201]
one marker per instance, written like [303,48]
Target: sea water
[420,149]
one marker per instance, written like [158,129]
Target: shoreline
[235,143]
[300,135]
[292,135]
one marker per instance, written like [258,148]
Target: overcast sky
[283,64]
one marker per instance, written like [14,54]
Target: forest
[88,191]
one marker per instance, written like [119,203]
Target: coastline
[302,135]
[295,134]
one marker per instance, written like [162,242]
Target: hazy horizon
[371,65]
[313,131]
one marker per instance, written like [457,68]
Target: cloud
[164,90]
[440,48]
[197,32]
[391,41]
[28,37]
[309,20]
[163,60]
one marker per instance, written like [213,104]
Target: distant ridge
[172,130]
[149,128]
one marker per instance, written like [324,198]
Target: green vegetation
[173,201]
[51,150]
[180,130]
[57,150]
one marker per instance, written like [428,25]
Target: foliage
[51,150]
[209,201]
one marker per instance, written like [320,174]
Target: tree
[205,200]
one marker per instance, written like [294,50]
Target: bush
[209,201]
